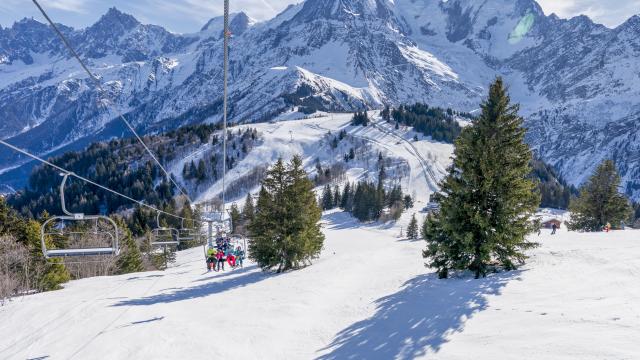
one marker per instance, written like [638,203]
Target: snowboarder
[211,259]
[554,228]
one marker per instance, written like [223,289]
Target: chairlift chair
[58,228]
[189,234]
[164,236]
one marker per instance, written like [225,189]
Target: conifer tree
[487,200]
[346,198]
[600,201]
[248,211]
[130,258]
[336,197]
[285,233]
[412,229]
[327,198]
[408,202]
[236,218]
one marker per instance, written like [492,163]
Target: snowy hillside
[577,81]
[367,297]
[420,164]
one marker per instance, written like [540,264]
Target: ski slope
[426,159]
[368,296]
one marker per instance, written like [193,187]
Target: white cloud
[77,6]
[608,12]
[190,15]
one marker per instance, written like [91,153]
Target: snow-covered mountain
[577,81]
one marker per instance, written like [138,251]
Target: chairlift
[189,234]
[104,230]
[164,236]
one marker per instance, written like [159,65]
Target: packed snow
[368,296]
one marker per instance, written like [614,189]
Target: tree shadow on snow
[417,319]
[342,221]
[198,291]
[227,273]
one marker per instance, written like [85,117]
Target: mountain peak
[343,9]
[632,24]
[238,22]
[115,17]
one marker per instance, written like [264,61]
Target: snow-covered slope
[367,297]
[574,78]
[420,165]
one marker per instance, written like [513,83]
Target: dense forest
[367,200]
[124,166]
[556,193]
[438,123]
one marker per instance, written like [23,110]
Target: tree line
[124,166]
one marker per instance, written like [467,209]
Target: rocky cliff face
[578,82]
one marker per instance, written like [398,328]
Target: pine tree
[600,201]
[412,229]
[248,211]
[130,258]
[327,198]
[487,200]
[285,233]
[201,171]
[386,114]
[346,198]
[336,197]
[408,202]
[236,218]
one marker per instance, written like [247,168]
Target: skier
[239,254]
[231,259]
[211,259]
[607,228]
[554,227]
[221,259]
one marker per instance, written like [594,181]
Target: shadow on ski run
[417,319]
[198,291]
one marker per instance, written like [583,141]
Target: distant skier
[607,227]
[554,228]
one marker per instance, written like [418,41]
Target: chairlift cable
[99,86]
[71,173]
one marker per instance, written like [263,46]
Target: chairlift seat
[57,223]
[165,236]
[61,253]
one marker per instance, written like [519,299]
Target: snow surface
[368,296]
[426,159]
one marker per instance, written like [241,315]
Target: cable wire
[71,173]
[99,86]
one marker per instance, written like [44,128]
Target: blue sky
[189,15]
